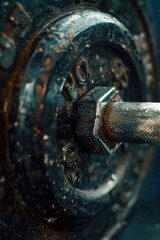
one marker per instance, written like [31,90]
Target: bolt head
[90,122]
[82,72]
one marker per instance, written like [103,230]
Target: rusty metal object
[132,122]
[105,121]
[63,50]
[41,93]
[90,121]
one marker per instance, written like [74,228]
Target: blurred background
[144,223]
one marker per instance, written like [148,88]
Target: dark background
[144,222]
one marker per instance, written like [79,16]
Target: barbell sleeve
[132,122]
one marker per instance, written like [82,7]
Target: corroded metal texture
[43,116]
[52,53]
[133,122]
[90,121]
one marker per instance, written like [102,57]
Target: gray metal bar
[132,122]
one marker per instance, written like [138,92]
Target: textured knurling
[132,122]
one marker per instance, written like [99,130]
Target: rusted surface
[90,123]
[23,25]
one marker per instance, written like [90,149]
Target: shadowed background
[145,220]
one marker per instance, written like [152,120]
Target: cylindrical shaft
[132,122]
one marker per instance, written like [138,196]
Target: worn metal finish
[133,122]
[63,50]
[37,137]
[89,129]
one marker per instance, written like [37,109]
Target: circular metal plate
[43,119]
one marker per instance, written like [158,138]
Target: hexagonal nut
[89,129]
